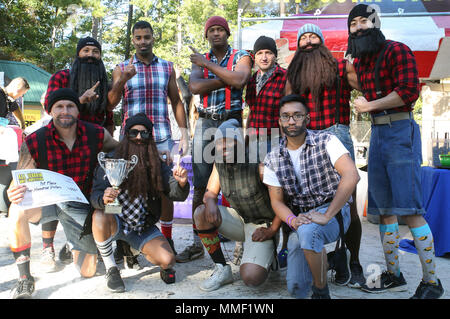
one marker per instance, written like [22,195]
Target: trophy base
[113,209]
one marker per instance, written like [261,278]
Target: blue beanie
[310,28]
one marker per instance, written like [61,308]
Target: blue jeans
[310,237]
[342,132]
[395,156]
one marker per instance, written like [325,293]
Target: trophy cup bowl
[116,170]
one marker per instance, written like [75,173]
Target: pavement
[145,283]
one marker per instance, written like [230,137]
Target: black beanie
[138,119]
[363,10]
[62,94]
[88,41]
[265,43]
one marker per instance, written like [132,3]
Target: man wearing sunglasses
[311,179]
[140,197]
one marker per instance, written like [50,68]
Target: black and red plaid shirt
[265,106]
[324,115]
[398,72]
[73,163]
[61,79]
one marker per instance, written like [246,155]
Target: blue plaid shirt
[147,92]
[216,99]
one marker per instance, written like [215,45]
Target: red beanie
[216,20]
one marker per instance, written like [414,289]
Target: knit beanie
[88,41]
[62,94]
[265,43]
[366,11]
[138,119]
[216,20]
[310,28]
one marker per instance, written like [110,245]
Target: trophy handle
[132,163]
[101,160]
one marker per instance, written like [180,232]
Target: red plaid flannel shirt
[264,107]
[75,163]
[398,72]
[324,116]
[61,80]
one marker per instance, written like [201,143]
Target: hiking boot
[114,281]
[340,265]
[172,245]
[48,260]
[23,289]
[190,253]
[427,290]
[221,276]
[357,279]
[65,255]
[238,252]
[318,293]
[282,258]
[168,275]
[386,281]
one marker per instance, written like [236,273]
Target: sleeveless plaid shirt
[147,92]
[75,163]
[320,180]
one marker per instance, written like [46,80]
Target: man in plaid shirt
[388,77]
[325,82]
[70,148]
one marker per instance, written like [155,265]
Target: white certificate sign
[45,187]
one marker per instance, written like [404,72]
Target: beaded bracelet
[289,220]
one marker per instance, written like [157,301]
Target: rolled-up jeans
[310,237]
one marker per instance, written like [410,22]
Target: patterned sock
[106,251]
[423,239]
[211,241]
[166,228]
[390,239]
[22,257]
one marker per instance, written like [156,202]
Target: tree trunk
[128,42]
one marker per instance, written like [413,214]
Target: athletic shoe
[48,260]
[168,275]
[323,293]
[132,262]
[238,252]
[190,253]
[114,281]
[172,245]
[65,255]
[357,279]
[23,289]
[428,291]
[221,276]
[386,281]
[340,265]
[282,258]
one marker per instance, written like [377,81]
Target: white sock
[106,251]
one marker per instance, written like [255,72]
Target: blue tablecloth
[436,202]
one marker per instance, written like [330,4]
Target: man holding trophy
[66,146]
[143,178]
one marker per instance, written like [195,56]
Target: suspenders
[227,88]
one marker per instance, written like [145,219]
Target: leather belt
[389,118]
[307,209]
[220,116]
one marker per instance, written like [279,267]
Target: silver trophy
[116,170]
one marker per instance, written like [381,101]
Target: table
[436,202]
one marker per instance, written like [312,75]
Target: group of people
[289,172]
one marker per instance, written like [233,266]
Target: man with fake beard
[311,178]
[251,219]
[325,83]
[388,76]
[140,198]
[67,146]
[87,76]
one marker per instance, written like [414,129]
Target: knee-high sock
[211,241]
[166,228]
[423,239]
[106,250]
[390,239]
[22,258]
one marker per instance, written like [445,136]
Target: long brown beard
[312,71]
[145,179]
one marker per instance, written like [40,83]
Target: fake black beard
[368,42]
[84,73]
[299,131]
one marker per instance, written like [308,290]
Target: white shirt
[9,150]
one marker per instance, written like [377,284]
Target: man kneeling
[140,198]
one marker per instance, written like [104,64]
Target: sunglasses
[144,134]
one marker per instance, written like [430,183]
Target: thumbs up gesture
[90,95]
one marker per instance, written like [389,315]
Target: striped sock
[106,251]
[166,228]
[390,239]
[22,258]
[423,240]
